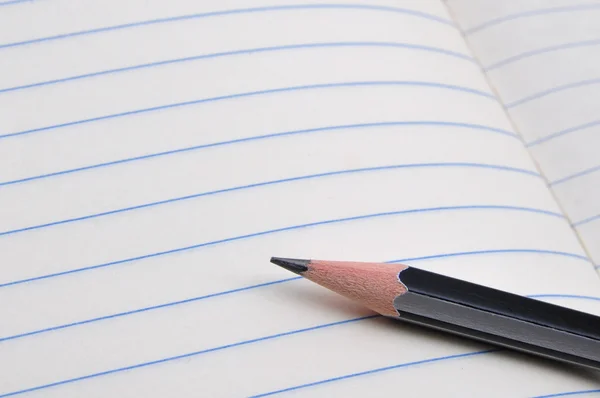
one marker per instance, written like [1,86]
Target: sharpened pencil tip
[297,266]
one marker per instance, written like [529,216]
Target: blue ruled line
[250,51]
[377,370]
[252,94]
[563,132]
[268,183]
[245,288]
[570,177]
[11,2]
[570,393]
[587,220]
[223,13]
[504,251]
[261,137]
[284,229]
[565,296]
[533,53]
[553,90]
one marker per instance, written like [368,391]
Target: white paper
[543,58]
[374,150]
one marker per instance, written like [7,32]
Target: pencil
[459,307]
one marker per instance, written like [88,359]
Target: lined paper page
[154,157]
[543,57]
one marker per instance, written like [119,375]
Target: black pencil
[459,307]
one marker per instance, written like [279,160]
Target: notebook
[155,155]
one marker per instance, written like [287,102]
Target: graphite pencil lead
[297,266]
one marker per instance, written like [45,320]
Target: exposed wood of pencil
[374,285]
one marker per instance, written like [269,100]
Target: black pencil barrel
[499,317]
